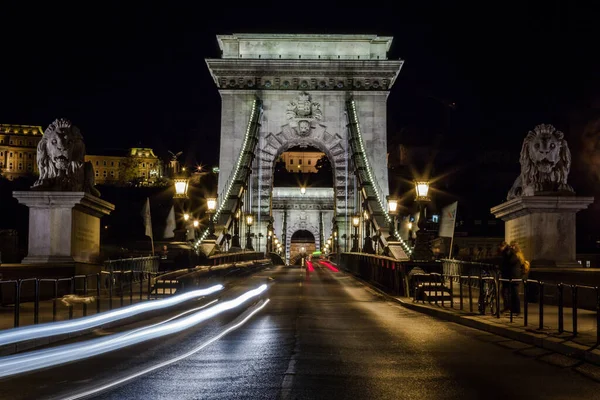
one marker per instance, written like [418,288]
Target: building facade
[137,164]
[18,150]
[300,161]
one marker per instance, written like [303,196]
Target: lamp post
[249,221]
[368,246]
[393,211]
[355,224]
[196,224]
[422,251]
[211,205]
[235,239]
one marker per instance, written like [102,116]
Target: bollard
[574,293]
[561,327]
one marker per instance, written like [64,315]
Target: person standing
[510,268]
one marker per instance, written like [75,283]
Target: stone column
[544,227]
[63,226]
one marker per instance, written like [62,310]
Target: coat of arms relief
[303,114]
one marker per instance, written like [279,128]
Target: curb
[555,344]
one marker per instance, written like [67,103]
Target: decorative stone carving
[302,112]
[60,159]
[545,164]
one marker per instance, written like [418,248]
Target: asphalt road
[322,335]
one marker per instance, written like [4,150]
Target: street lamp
[186,217]
[422,251]
[302,190]
[393,211]
[235,240]
[355,224]
[249,221]
[368,246]
[181,187]
[211,205]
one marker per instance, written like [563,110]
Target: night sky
[137,76]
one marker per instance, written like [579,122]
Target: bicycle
[489,294]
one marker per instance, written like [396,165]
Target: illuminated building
[18,150]
[301,161]
[139,164]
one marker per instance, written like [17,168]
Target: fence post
[85,292]
[98,292]
[597,315]
[525,302]
[560,308]
[574,293]
[17,302]
[141,278]
[149,285]
[36,306]
[460,289]
[470,294]
[72,292]
[55,299]
[451,278]
[130,287]
[541,305]
[110,290]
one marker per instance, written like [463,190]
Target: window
[300,162]
[30,143]
[96,172]
[291,161]
[1,154]
[104,173]
[29,167]
[112,163]
[112,174]
[10,155]
[10,166]
[588,263]
[104,163]
[11,142]
[144,165]
[1,141]
[309,162]
[20,143]
[20,166]
[20,155]
[435,218]
[30,156]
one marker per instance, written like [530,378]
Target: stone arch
[300,226]
[273,145]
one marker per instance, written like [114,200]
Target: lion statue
[60,160]
[545,164]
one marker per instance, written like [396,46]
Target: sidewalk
[582,346]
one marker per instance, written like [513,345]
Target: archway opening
[304,166]
[302,244]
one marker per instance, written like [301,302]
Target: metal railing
[137,264]
[98,291]
[483,285]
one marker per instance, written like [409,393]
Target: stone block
[63,226]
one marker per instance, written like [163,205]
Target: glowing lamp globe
[422,188]
[249,219]
[356,221]
[211,203]
[181,187]
[392,206]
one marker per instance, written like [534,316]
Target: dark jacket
[510,267]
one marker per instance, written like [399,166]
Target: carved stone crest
[303,113]
[545,164]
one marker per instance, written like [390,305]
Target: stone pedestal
[63,226]
[544,227]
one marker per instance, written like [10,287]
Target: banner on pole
[147,218]
[448,220]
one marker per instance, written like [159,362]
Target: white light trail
[232,326]
[39,359]
[58,328]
